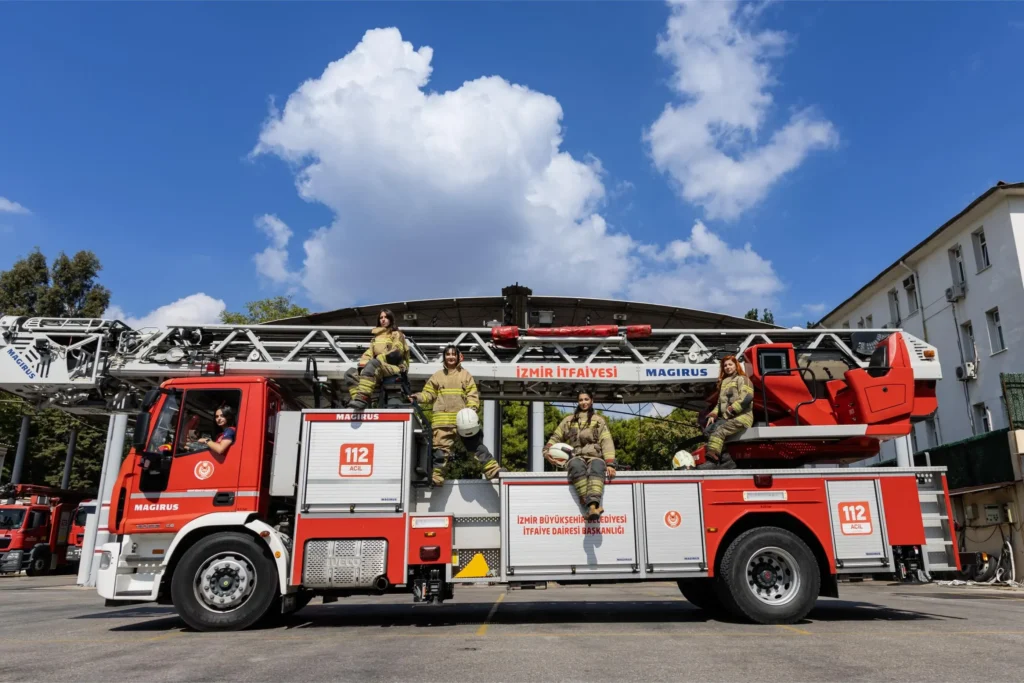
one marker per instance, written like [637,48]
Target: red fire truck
[77,533]
[335,502]
[34,524]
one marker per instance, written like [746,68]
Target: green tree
[767,317]
[67,289]
[264,310]
[649,444]
[751,314]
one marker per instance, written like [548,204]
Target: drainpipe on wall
[960,347]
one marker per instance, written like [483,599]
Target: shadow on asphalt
[608,615]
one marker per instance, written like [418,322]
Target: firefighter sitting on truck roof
[733,414]
[593,453]
[387,356]
[451,396]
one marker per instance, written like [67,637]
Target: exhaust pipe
[381,583]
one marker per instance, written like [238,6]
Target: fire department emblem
[673,519]
[204,469]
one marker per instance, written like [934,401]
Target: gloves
[393,357]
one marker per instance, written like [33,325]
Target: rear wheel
[225,582]
[769,576]
[701,594]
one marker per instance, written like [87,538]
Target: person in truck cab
[387,356]
[225,419]
[733,414]
[593,454]
[449,391]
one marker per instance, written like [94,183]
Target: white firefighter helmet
[560,452]
[683,460]
[467,423]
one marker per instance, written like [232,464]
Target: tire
[247,583]
[701,594]
[38,565]
[769,576]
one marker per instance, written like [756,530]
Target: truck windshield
[166,424]
[11,518]
[81,515]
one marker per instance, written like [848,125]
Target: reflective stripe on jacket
[448,392]
[385,341]
[588,438]
[737,393]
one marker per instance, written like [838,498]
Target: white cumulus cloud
[195,309]
[458,193]
[711,144]
[7,206]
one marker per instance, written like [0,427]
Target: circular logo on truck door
[204,469]
[673,519]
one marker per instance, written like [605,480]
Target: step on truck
[335,502]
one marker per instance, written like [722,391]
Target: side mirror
[141,432]
[149,399]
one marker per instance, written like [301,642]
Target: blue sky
[529,142]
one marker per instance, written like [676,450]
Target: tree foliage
[766,316]
[67,288]
[264,310]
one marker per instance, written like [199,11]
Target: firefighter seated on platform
[733,414]
[387,356]
[583,444]
[451,396]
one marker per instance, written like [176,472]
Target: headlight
[105,559]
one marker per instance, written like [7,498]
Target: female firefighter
[733,414]
[387,356]
[225,419]
[449,391]
[593,455]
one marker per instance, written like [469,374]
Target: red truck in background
[76,535]
[34,526]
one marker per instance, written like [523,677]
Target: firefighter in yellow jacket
[387,356]
[451,396]
[593,455]
[733,414]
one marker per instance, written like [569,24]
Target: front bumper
[12,561]
[74,553]
[121,576]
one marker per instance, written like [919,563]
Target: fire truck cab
[336,502]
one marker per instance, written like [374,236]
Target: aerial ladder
[821,396]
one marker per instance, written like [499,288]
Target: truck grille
[343,563]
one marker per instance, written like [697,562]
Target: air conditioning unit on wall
[956,292]
[967,371]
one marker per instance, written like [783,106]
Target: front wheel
[38,565]
[225,582]
[769,576]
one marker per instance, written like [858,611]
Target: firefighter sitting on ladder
[733,414]
[593,453]
[387,356]
[451,395]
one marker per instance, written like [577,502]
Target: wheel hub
[225,582]
[773,576]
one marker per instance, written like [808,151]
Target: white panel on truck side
[355,466]
[675,528]
[858,530]
[548,533]
[285,466]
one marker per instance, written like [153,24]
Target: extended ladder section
[815,389]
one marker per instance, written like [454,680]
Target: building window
[956,265]
[970,350]
[868,323]
[860,324]
[910,287]
[931,426]
[980,249]
[846,325]
[995,331]
[894,307]
[982,419]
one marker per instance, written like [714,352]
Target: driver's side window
[198,418]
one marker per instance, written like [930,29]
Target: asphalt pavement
[52,630]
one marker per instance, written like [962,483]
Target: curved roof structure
[519,306]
